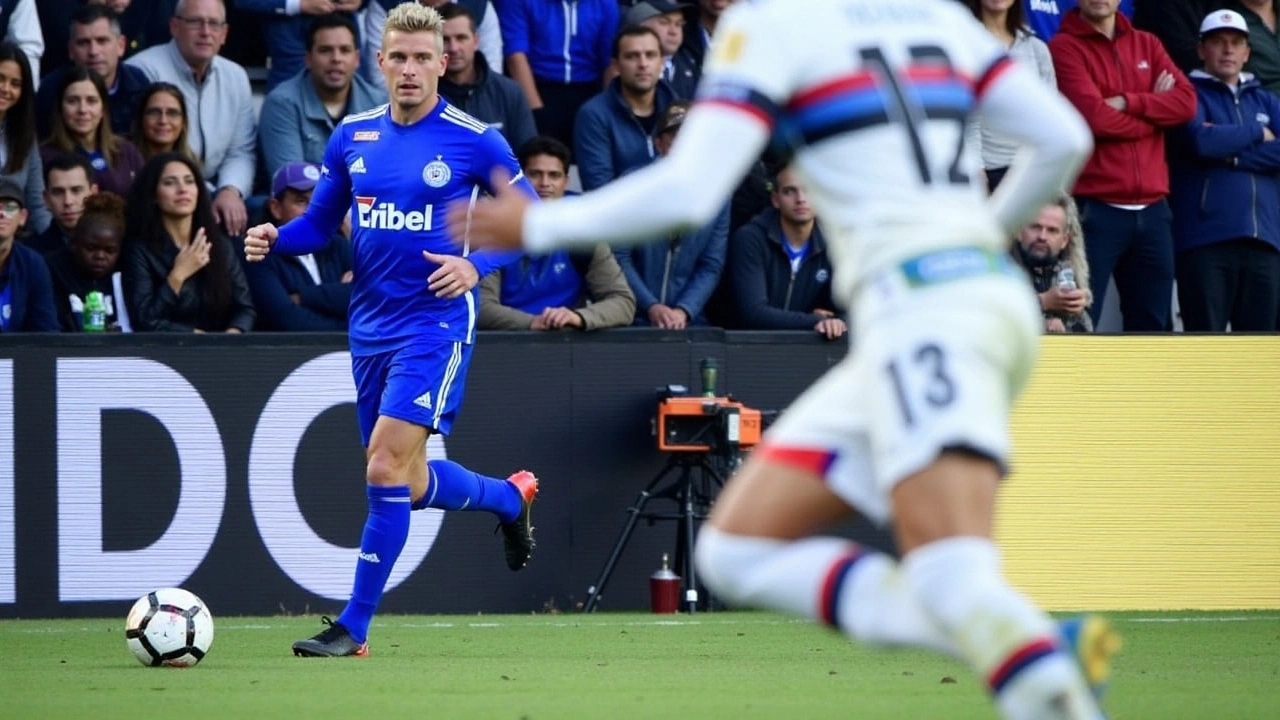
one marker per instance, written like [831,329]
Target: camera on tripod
[707,423]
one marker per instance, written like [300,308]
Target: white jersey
[872,97]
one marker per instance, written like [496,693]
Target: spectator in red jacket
[1129,91]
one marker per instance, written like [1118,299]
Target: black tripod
[693,493]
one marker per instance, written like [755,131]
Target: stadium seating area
[1174,215]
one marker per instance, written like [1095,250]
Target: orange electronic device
[704,424]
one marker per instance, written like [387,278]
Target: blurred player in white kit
[872,97]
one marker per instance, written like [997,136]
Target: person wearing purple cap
[304,292]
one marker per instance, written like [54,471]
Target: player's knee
[386,468]
[725,562]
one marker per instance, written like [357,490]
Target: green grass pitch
[606,666]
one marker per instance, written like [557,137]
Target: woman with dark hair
[89,263]
[160,122]
[181,273]
[19,156]
[81,124]
[1006,20]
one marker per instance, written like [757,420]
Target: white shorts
[935,367]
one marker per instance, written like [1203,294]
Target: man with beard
[1051,249]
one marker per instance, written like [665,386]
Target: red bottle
[664,589]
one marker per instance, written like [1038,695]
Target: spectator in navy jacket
[779,267]
[558,50]
[667,19]
[26,292]
[471,85]
[1226,198]
[615,130]
[673,280]
[304,292]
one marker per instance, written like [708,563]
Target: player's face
[1096,10]
[1044,238]
[1224,54]
[639,63]
[95,250]
[162,120]
[547,175]
[176,192]
[670,29]
[333,59]
[65,195]
[81,109]
[96,47]
[412,64]
[791,200]
[460,44]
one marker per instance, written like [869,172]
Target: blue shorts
[420,384]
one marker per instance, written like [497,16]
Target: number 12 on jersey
[908,106]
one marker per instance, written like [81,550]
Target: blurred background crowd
[139,139]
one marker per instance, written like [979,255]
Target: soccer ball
[169,627]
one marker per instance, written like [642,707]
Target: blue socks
[453,487]
[385,532]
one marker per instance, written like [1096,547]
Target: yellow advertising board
[1147,475]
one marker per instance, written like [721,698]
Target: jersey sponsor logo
[729,49]
[1049,7]
[357,167]
[370,557]
[437,173]
[365,135]
[386,216]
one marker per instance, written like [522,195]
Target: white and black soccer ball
[170,627]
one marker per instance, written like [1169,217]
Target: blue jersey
[398,181]
[1044,16]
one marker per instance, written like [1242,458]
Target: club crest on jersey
[436,174]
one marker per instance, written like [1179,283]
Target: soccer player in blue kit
[413,304]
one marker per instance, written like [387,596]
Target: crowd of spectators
[138,140]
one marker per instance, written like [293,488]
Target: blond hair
[1075,258]
[410,17]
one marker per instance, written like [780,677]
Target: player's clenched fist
[258,241]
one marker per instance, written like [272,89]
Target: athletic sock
[1009,642]
[385,532]
[451,486]
[856,590]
